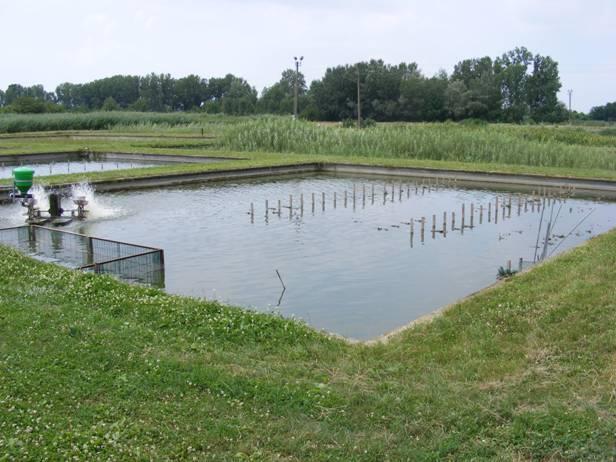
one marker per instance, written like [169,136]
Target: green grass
[93,369]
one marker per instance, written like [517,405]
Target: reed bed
[16,123]
[447,142]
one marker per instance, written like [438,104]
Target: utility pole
[358,101]
[298,63]
[570,113]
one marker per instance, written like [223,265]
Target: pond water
[350,268]
[72,166]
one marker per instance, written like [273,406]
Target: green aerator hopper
[23,179]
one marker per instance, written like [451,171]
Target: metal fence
[134,263]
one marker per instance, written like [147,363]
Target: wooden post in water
[393,192]
[372,193]
[481,214]
[509,208]
[290,205]
[334,199]
[363,195]
[472,215]
[444,224]
[252,212]
[453,221]
[266,209]
[323,201]
[301,204]
[496,211]
[490,212]
[354,196]
[279,208]
[400,194]
[345,198]
[313,203]
[412,227]
[423,228]
[462,220]
[408,191]
[433,226]
[519,205]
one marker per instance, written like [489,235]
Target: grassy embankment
[94,369]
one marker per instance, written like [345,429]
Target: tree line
[517,86]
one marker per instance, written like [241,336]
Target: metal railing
[130,262]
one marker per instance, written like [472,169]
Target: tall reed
[446,141]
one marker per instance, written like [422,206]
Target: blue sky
[56,41]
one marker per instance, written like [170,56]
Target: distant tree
[484,96]
[69,95]
[110,104]
[141,105]
[240,99]
[28,105]
[457,98]
[157,91]
[423,99]
[13,92]
[278,99]
[335,94]
[542,89]
[606,112]
[190,92]
[511,71]
[2,98]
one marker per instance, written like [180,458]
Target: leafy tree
[28,105]
[458,98]
[511,71]
[157,91]
[542,89]
[335,95]
[423,99]
[190,92]
[2,98]
[606,112]
[484,96]
[110,104]
[240,99]
[279,98]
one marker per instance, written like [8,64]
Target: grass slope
[94,369]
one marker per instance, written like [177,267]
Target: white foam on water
[98,207]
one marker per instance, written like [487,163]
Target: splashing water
[97,207]
[15,214]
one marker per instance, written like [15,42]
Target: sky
[53,41]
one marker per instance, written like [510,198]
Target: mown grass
[93,369]
[439,142]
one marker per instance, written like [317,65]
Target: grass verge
[93,369]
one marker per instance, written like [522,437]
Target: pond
[350,264]
[61,167]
